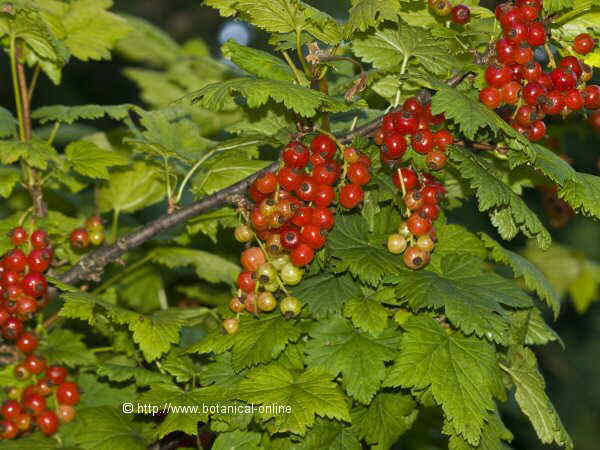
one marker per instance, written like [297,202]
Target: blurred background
[572,264]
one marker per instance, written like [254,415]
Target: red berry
[4,315]
[15,260]
[530,13]
[290,239]
[246,281]
[39,239]
[34,404]
[252,258]
[412,105]
[516,33]
[406,123]
[436,160]
[258,219]
[571,63]
[413,199]
[350,154]
[56,374]
[490,97]
[531,71]
[326,173]
[516,73]
[324,146]
[44,387]
[532,92]
[523,54]
[67,393]
[255,195]
[306,190]
[592,96]
[431,211]
[553,103]
[351,195]
[388,124]
[422,142]
[66,413]
[11,409]
[18,236]
[295,155]
[536,131]
[267,183]
[418,225]
[322,218]
[536,34]
[35,364]
[34,284]
[510,16]
[8,430]
[37,260]
[394,145]
[510,92]
[583,44]
[12,328]
[358,174]
[23,422]
[302,255]
[505,51]
[442,139]
[324,195]
[48,422]
[461,14]
[10,277]
[311,236]
[573,99]
[303,216]
[79,238]
[497,76]
[563,79]
[594,121]
[409,178]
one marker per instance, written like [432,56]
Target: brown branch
[92,264]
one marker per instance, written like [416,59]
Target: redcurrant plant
[281,229]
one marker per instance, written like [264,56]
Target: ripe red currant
[406,123]
[18,236]
[422,142]
[523,54]
[553,103]
[531,71]
[302,255]
[312,236]
[252,258]
[490,97]
[326,173]
[8,430]
[505,51]
[592,96]
[303,216]
[516,33]
[37,261]
[461,14]
[246,281]
[536,34]
[295,155]
[563,79]
[79,238]
[532,92]
[324,146]
[306,190]
[35,364]
[594,121]
[537,131]
[10,410]
[431,211]
[34,404]
[34,284]
[583,44]
[290,239]
[358,174]
[412,105]
[351,195]
[65,413]
[573,99]
[48,422]
[39,239]
[394,145]
[510,92]
[436,160]
[67,393]
[409,178]
[497,76]
[12,328]
[323,218]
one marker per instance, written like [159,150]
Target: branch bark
[92,264]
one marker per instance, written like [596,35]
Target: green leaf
[472,299]
[8,123]
[210,267]
[367,313]
[392,48]
[257,62]
[383,421]
[237,440]
[369,13]
[456,239]
[583,194]
[553,6]
[326,293]
[530,328]
[63,346]
[210,223]
[492,437]
[334,347]
[106,428]
[257,92]
[36,441]
[257,341]
[69,114]
[35,152]
[307,393]
[461,371]
[92,161]
[350,245]
[532,276]
[9,177]
[508,211]
[92,31]
[532,398]
[131,189]
[224,170]
[141,376]
[327,435]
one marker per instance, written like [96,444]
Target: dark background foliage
[572,374]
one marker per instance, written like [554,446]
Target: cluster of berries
[23,291]
[48,401]
[517,80]
[23,288]
[291,219]
[92,233]
[421,193]
[459,14]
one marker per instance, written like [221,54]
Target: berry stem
[551,61]
[300,78]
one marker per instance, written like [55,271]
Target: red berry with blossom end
[323,218]
[79,238]
[303,216]
[553,103]
[295,155]
[34,284]
[38,261]
[436,160]
[18,236]
[246,281]
[531,71]
[289,178]
[302,255]
[326,173]
[442,139]
[510,92]
[267,183]
[56,374]
[509,16]
[8,430]
[490,97]
[563,79]
[412,105]
[67,393]
[306,190]
[571,63]
[324,146]
[523,54]
[532,92]
[47,422]
[12,328]
[460,14]
[15,260]
[324,195]
[409,179]
[27,342]
[516,33]
[406,123]
[34,404]
[583,44]
[497,76]
[311,235]
[35,364]
[422,142]
[574,99]
[430,211]
[39,239]
[10,410]
[351,195]
[418,225]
